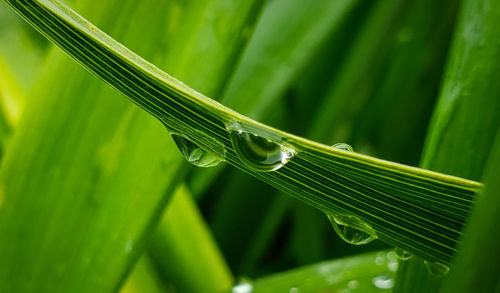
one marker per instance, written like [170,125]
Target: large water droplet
[352,230]
[195,154]
[243,286]
[258,152]
[343,146]
[402,254]
[436,268]
[383,282]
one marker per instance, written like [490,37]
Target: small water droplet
[436,268]
[258,152]
[402,254]
[379,260]
[352,230]
[392,264]
[293,290]
[343,146]
[352,284]
[195,154]
[243,286]
[383,282]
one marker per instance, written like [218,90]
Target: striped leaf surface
[417,210]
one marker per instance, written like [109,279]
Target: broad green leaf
[417,210]
[466,118]
[73,208]
[85,189]
[373,272]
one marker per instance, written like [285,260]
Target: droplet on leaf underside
[351,229]
[436,268]
[195,154]
[343,146]
[259,152]
[402,254]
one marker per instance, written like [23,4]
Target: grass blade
[417,210]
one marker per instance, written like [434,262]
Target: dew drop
[259,153]
[293,290]
[343,146]
[243,286]
[352,284]
[352,230]
[436,268]
[402,254]
[195,154]
[383,282]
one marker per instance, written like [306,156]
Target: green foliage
[86,176]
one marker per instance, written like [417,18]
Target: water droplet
[243,286]
[383,282]
[195,154]
[293,290]
[352,230]
[379,260]
[259,153]
[392,264]
[343,146]
[436,268]
[352,284]
[402,254]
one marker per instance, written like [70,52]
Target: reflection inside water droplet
[402,254]
[383,282]
[436,268]
[195,154]
[258,152]
[352,230]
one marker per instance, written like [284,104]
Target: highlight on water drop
[436,268]
[351,229]
[259,152]
[195,154]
